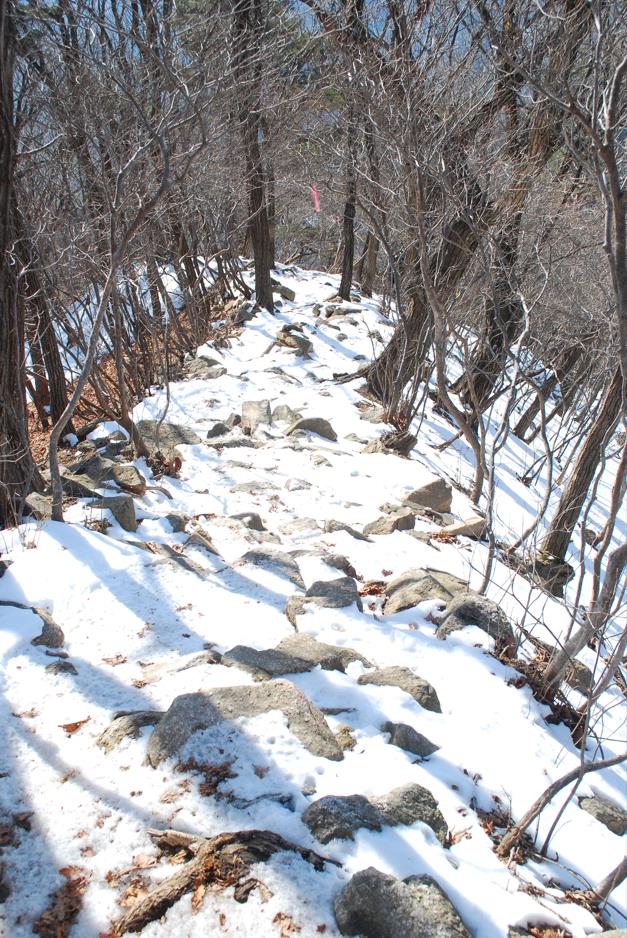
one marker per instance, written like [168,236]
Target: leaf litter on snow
[137,624]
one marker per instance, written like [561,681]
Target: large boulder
[255,413]
[415,586]
[472,609]
[264,664]
[192,712]
[166,436]
[396,676]
[375,905]
[313,425]
[606,812]
[436,495]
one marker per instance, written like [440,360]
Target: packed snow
[133,619]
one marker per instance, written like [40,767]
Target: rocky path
[266,697]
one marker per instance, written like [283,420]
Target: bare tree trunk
[348,231]
[18,472]
[560,531]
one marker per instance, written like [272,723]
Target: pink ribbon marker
[314,195]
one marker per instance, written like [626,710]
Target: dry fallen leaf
[115,660]
[197,896]
[73,727]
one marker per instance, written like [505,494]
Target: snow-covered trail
[149,614]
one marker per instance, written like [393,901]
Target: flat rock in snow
[416,585]
[395,676]
[409,739]
[375,905]
[264,664]
[329,657]
[335,594]
[255,414]
[167,436]
[331,526]
[192,712]
[277,562]
[122,507]
[403,520]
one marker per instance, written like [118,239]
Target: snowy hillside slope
[149,615]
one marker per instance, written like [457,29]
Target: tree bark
[348,230]
[18,472]
[569,508]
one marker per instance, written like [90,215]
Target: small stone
[345,738]
[338,817]
[395,676]
[406,737]
[250,519]
[127,724]
[399,521]
[61,667]
[129,478]
[122,507]
[606,812]
[313,425]
[276,561]
[437,495]
[410,803]
[286,292]
[297,485]
[252,488]
[299,526]
[335,594]
[472,609]
[332,526]
[285,413]
[178,521]
[232,440]
[218,429]
[205,368]
[472,527]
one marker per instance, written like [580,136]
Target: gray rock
[39,506]
[128,478]
[340,562]
[313,425]
[286,292]
[415,586]
[255,414]
[122,507]
[207,368]
[329,657]
[437,495]
[345,737]
[297,485]
[611,815]
[331,526]
[474,527]
[285,413]
[319,460]
[276,561]
[250,519]
[127,724]
[51,634]
[96,467]
[335,594]
[299,526]
[264,664]
[78,485]
[192,712]
[170,435]
[232,440]
[291,337]
[340,816]
[251,488]
[398,521]
[394,676]
[375,905]
[178,521]
[218,429]
[61,667]
[407,738]
[472,609]
[410,803]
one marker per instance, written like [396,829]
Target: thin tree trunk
[348,229]
[559,534]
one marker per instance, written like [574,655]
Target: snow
[131,618]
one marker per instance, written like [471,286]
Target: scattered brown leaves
[286,924]
[56,921]
[373,588]
[213,774]
[548,931]
[70,728]
[116,660]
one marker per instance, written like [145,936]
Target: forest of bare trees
[470,163]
